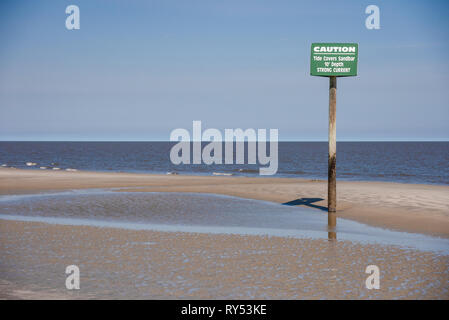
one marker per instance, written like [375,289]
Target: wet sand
[404,207]
[118,263]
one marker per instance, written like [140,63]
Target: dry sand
[404,207]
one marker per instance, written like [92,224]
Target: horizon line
[344,140]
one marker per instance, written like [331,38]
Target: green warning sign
[334,59]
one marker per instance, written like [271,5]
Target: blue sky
[136,70]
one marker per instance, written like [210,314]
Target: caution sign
[334,59]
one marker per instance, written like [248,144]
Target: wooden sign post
[332,156]
[333,60]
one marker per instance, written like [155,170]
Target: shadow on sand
[331,217]
[306,202]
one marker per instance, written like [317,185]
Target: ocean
[406,162]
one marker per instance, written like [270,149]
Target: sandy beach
[405,207]
[144,264]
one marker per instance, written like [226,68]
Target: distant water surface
[409,162]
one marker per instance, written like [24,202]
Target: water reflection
[331,226]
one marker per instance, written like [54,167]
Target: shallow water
[188,212]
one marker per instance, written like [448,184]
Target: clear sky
[136,70]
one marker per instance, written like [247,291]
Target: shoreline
[412,208]
[226,174]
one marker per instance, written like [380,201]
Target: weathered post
[333,60]
[332,157]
